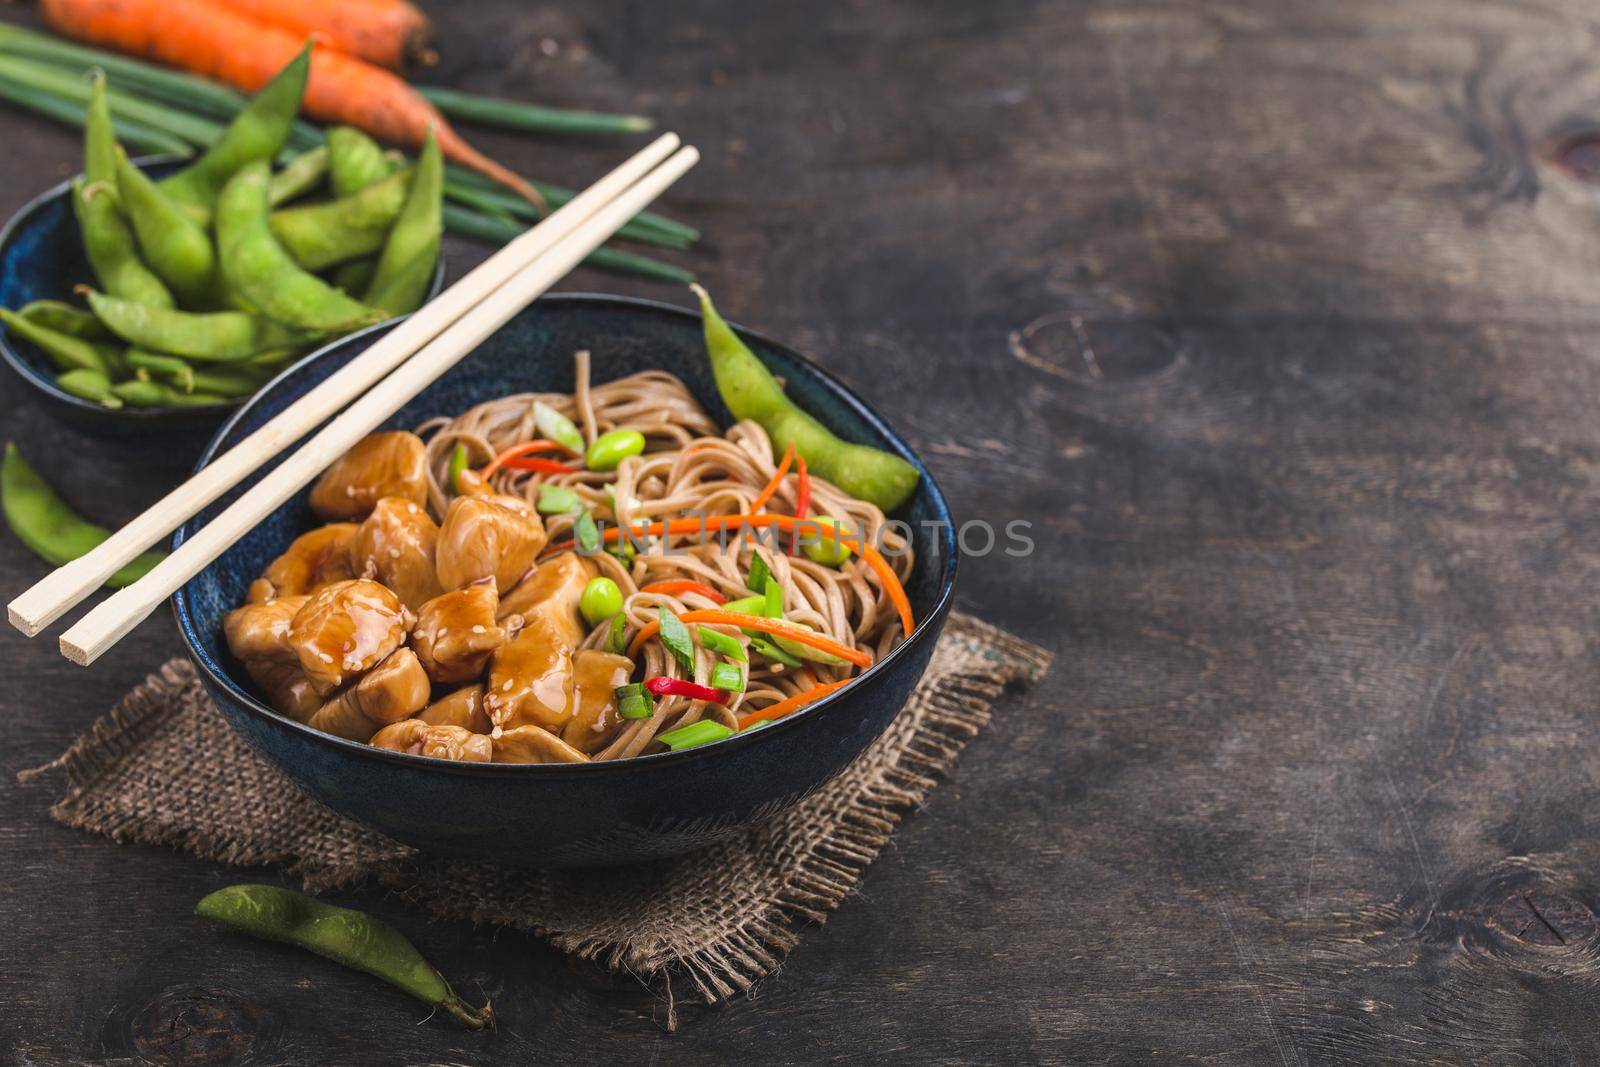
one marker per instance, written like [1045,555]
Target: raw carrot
[390,33]
[204,37]
[792,704]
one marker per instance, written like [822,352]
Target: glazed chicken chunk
[530,678]
[440,742]
[463,708]
[595,678]
[456,632]
[395,547]
[395,689]
[495,537]
[345,629]
[312,561]
[382,464]
[258,637]
[530,744]
[554,589]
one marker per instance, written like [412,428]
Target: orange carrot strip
[777,479]
[765,625]
[792,704]
[679,586]
[861,547]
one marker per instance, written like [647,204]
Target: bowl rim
[133,416]
[725,747]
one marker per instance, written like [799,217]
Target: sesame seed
[480,630]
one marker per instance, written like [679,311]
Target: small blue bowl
[41,258]
[566,815]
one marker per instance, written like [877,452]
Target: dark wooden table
[1278,323]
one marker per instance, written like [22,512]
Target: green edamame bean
[66,352]
[355,276]
[319,236]
[259,269]
[256,134]
[354,161]
[108,242]
[170,370]
[302,174]
[62,317]
[353,938]
[607,451]
[151,394]
[751,392]
[42,521]
[601,599]
[406,267]
[99,135]
[211,336]
[822,545]
[177,247]
[90,385]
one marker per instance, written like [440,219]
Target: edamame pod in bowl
[207,335]
[260,271]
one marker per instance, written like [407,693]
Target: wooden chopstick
[107,623]
[59,591]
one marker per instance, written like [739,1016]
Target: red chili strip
[682,687]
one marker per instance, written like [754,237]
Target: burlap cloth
[722,919]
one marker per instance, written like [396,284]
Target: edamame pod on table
[302,174]
[751,392]
[260,271]
[400,284]
[108,242]
[353,938]
[177,247]
[355,161]
[62,317]
[210,335]
[256,134]
[319,236]
[89,385]
[42,521]
[66,352]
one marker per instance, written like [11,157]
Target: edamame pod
[354,161]
[230,381]
[147,394]
[108,242]
[319,236]
[62,317]
[256,134]
[89,385]
[405,269]
[66,352]
[99,135]
[169,369]
[177,247]
[210,336]
[355,276]
[353,938]
[259,269]
[751,392]
[42,521]
[302,174]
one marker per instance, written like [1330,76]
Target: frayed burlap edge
[908,761]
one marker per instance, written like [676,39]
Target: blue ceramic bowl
[569,814]
[41,258]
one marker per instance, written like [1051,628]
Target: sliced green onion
[760,645]
[135,135]
[826,548]
[722,643]
[750,605]
[586,533]
[675,636]
[645,226]
[696,733]
[633,701]
[760,573]
[772,606]
[458,463]
[623,550]
[617,638]
[557,427]
[558,500]
[727,677]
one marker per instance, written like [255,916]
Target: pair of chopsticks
[379,382]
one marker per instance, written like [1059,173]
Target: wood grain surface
[1278,321]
